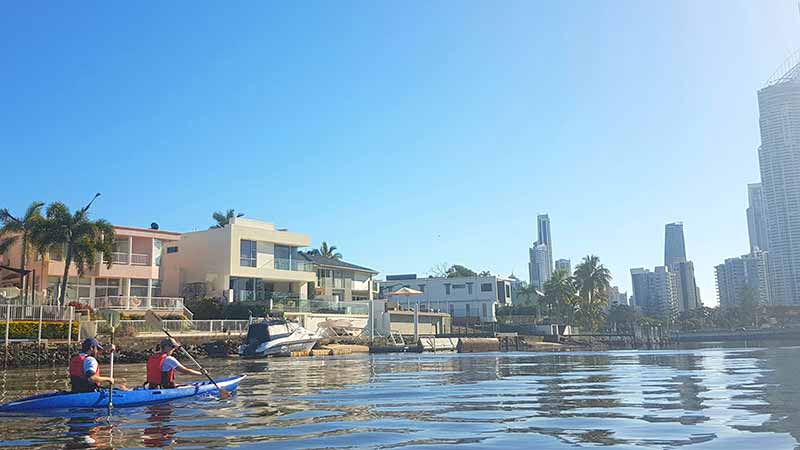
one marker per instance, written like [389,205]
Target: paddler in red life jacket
[161,366]
[84,372]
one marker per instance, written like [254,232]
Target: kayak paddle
[154,321]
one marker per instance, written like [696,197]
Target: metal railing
[139,259]
[119,258]
[187,326]
[132,303]
[320,306]
[35,312]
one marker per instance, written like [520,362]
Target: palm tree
[593,281]
[13,229]
[81,238]
[559,295]
[224,219]
[326,251]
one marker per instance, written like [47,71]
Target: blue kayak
[121,399]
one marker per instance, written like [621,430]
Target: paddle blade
[223,394]
[152,319]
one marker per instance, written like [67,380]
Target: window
[458,286]
[469,288]
[486,287]
[421,287]
[452,309]
[139,287]
[78,288]
[56,253]
[172,249]
[483,310]
[508,291]
[447,289]
[106,287]
[155,288]
[467,306]
[247,253]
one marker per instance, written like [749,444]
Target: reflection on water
[704,398]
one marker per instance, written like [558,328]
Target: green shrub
[205,308]
[30,330]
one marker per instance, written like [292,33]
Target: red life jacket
[78,379]
[156,377]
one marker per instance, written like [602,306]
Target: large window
[250,289]
[486,287]
[106,287]
[483,310]
[247,253]
[447,289]
[139,287]
[155,288]
[469,288]
[467,307]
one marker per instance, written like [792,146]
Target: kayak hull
[121,399]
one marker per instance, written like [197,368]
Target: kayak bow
[122,399]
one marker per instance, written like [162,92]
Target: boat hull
[121,399]
[282,349]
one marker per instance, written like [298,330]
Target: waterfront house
[341,281]
[247,260]
[132,282]
[466,299]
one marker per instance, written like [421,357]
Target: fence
[319,306]
[139,304]
[186,326]
[36,313]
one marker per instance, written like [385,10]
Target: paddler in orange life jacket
[161,366]
[84,372]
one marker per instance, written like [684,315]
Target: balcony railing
[294,265]
[120,258]
[139,259]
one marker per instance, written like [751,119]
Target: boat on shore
[276,337]
[121,399]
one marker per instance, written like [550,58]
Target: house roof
[330,262]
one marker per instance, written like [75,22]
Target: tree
[439,270]
[224,219]
[559,296]
[13,229]
[457,270]
[593,280]
[749,307]
[81,238]
[326,251]
[623,317]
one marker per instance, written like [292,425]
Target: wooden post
[8,322]
[69,328]
[39,339]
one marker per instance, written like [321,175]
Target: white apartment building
[466,298]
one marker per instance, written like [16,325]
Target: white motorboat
[276,337]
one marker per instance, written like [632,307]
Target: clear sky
[407,133]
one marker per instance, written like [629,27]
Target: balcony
[294,265]
[134,259]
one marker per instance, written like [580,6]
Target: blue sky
[408,134]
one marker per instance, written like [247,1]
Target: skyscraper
[565,265]
[756,217]
[779,159]
[537,267]
[674,245]
[654,292]
[685,286]
[745,272]
[540,266]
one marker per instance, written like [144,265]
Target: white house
[466,298]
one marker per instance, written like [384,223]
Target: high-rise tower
[674,244]
[779,159]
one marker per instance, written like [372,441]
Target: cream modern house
[244,261]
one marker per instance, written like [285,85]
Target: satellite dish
[153,226]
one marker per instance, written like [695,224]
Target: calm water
[697,399]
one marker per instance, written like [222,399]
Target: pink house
[132,282]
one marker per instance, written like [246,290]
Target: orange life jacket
[157,378]
[77,378]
